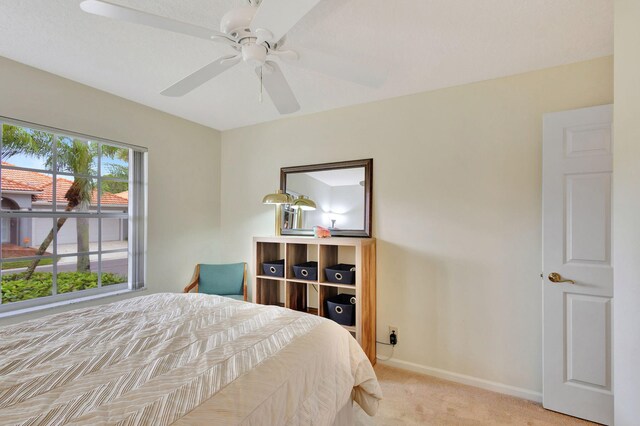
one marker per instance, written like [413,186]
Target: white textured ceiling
[340,177]
[423,44]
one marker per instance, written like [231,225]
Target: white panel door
[577,171]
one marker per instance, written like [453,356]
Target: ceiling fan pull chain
[261,86]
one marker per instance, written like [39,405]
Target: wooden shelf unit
[309,296]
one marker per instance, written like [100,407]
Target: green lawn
[24,264]
[15,288]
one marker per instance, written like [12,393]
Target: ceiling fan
[257,34]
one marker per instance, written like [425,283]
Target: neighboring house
[32,191]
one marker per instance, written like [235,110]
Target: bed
[182,359]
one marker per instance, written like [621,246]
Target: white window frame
[136,215]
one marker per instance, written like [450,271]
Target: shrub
[15,288]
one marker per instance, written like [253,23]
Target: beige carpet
[415,399]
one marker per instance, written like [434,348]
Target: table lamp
[278,198]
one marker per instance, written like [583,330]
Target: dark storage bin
[306,271]
[342,273]
[342,309]
[275,268]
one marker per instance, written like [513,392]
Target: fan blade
[201,76]
[278,89]
[110,10]
[345,69]
[279,16]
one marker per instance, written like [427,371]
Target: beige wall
[457,209]
[626,213]
[184,158]
[456,199]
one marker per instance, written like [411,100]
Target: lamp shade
[278,197]
[303,203]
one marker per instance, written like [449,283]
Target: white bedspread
[182,359]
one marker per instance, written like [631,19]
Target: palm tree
[73,155]
[75,197]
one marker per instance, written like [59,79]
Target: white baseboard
[464,379]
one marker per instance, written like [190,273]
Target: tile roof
[63,185]
[37,180]
[109,199]
[12,185]
[13,180]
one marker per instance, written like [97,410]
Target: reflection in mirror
[337,194]
[333,195]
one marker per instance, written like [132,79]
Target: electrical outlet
[393,329]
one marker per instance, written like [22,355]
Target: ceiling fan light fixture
[254,54]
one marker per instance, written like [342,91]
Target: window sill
[37,308]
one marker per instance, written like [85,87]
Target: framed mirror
[333,195]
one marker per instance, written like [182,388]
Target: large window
[73,216]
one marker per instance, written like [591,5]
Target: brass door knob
[555,277]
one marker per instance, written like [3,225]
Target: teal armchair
[229,280]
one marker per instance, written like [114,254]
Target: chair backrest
[223,279]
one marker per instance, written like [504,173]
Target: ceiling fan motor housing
[237,22]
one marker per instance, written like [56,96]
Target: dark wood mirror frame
[367,164]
